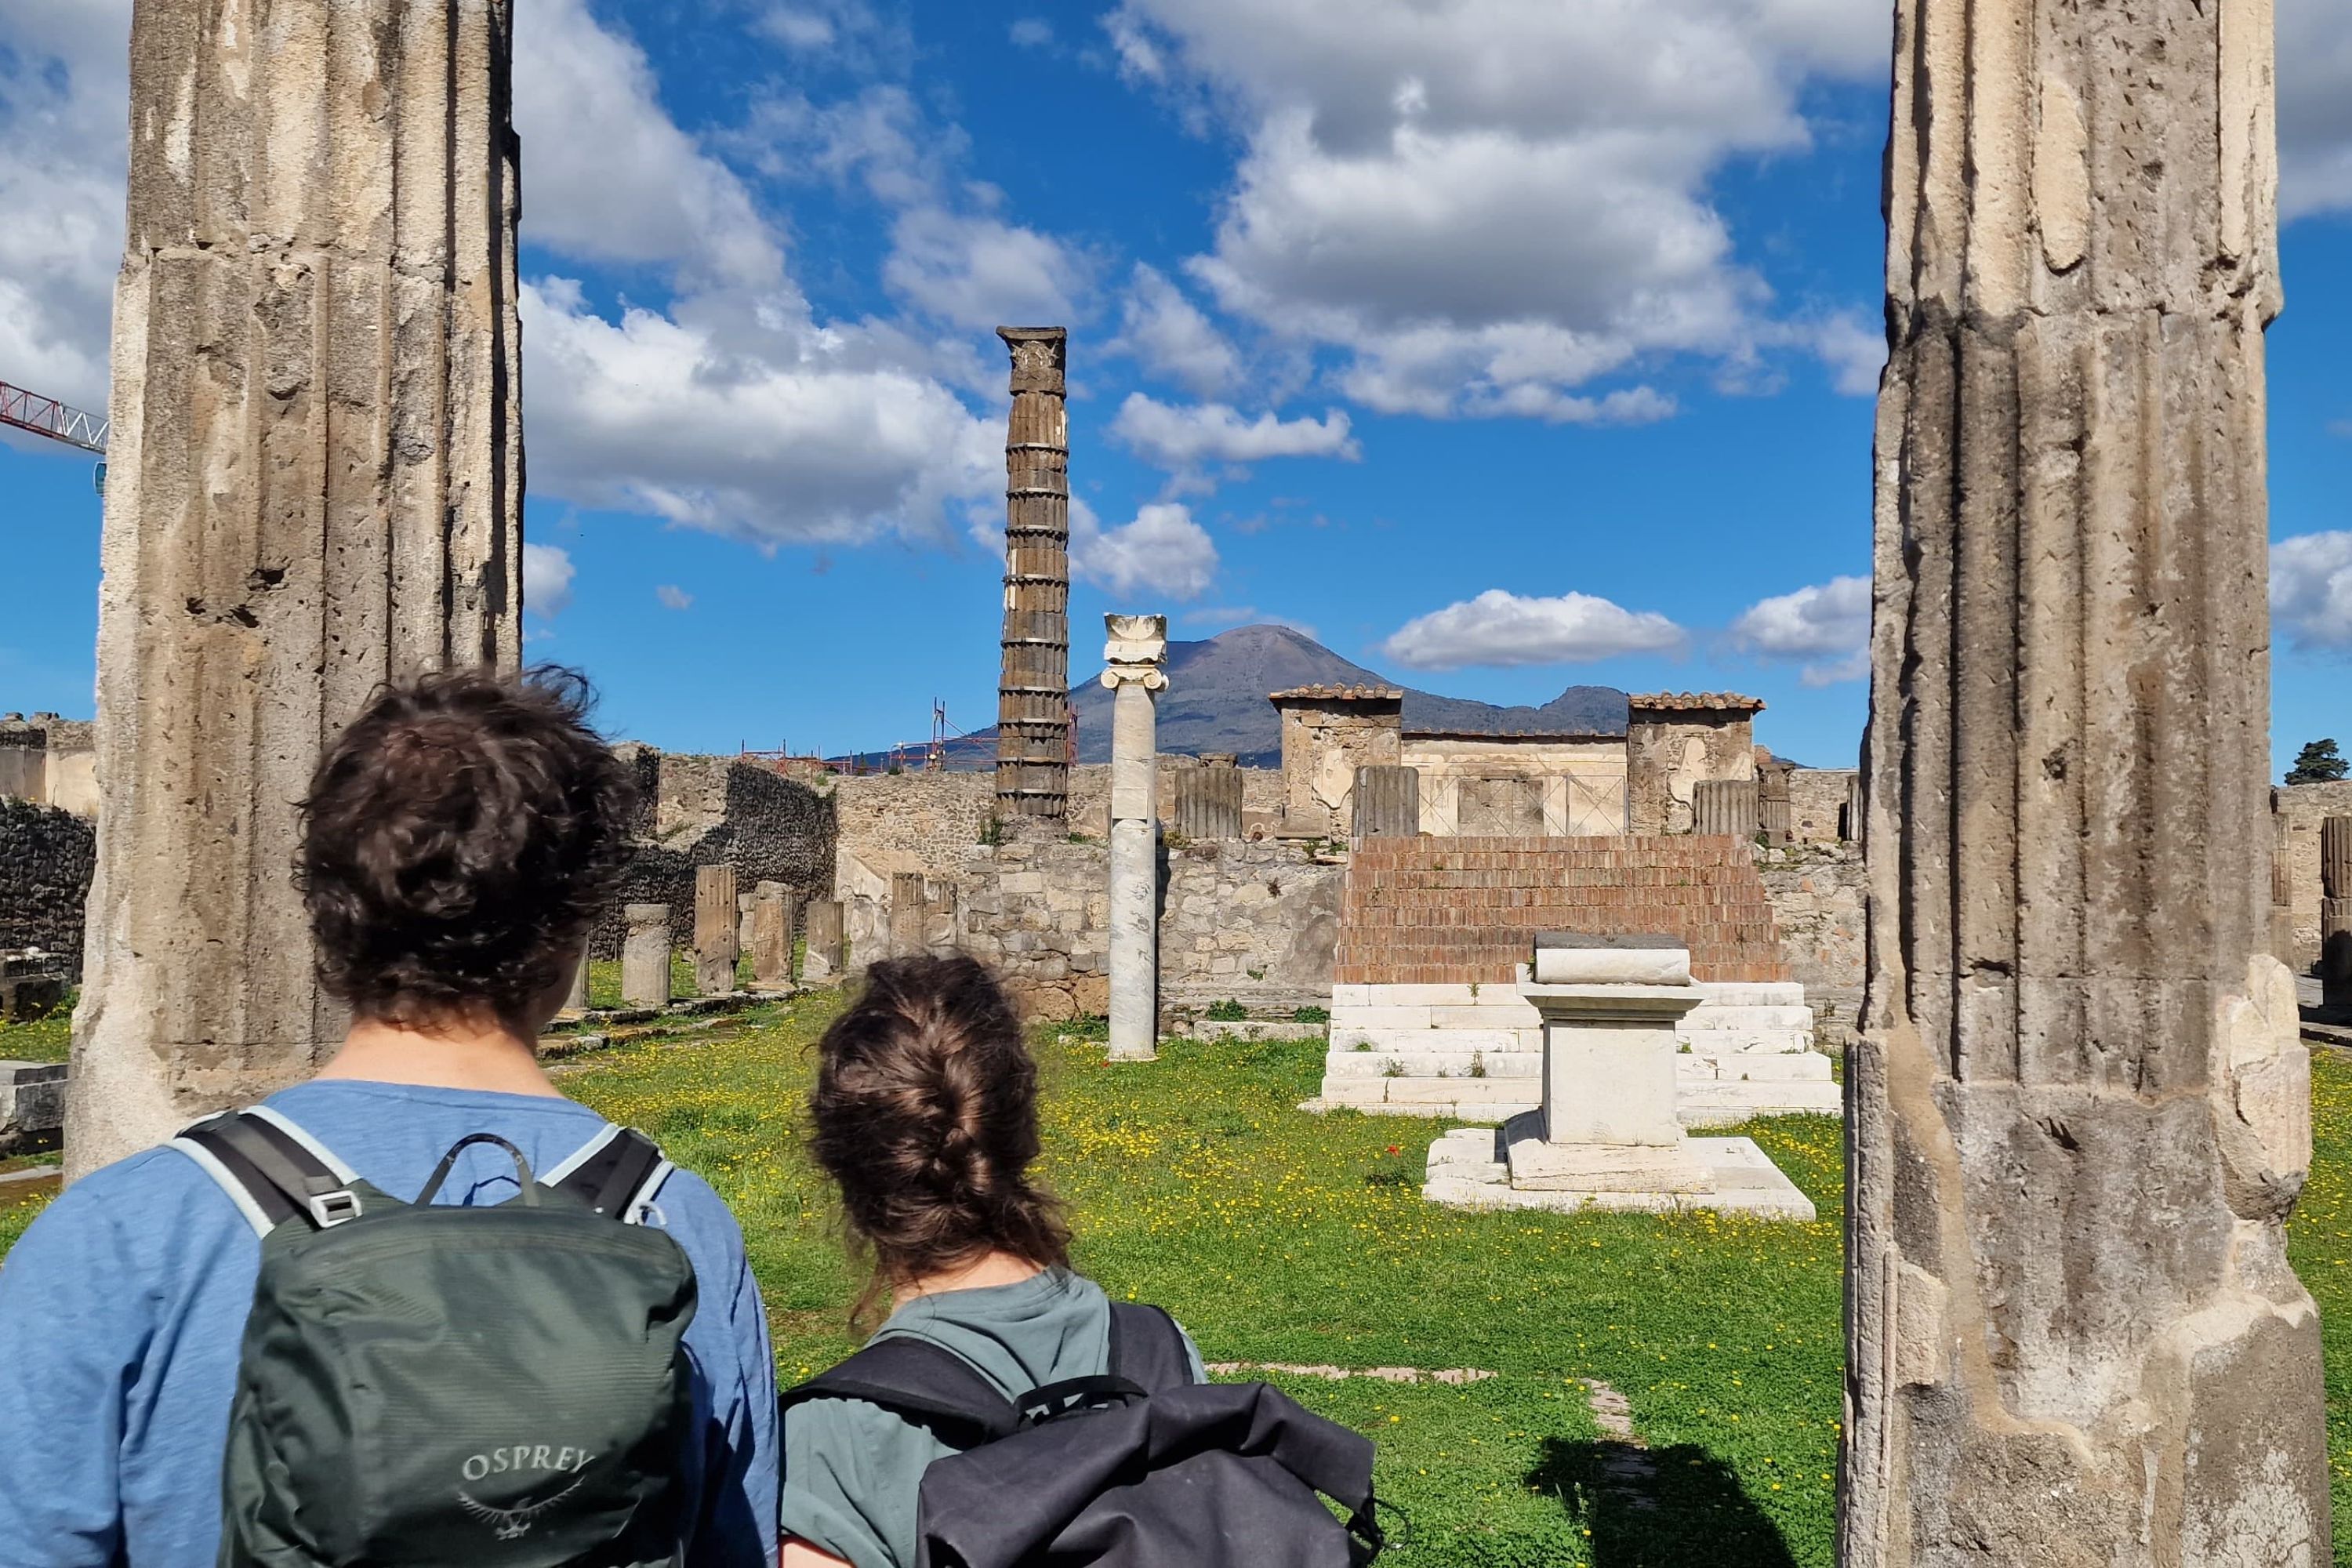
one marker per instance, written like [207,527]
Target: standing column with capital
[1136,652]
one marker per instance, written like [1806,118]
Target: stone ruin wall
[1252,922]
[45,859]
[718,811]
[2302,807]
[1817,894]
[49,761]
[1817,802]
[1668,752]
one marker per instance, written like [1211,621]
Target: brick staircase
[1426,1019]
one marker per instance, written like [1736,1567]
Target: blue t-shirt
[122,1307]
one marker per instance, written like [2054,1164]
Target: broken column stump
[1386,802]
[715,936]
[314,485]
[827,957]
[645,956]
[2079,1109]
[773,908]
[2335,910]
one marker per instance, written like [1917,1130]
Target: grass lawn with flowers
[1278,1237]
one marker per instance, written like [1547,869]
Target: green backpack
[421,1384]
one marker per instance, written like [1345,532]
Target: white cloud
[1170,336]
[547,574]
[725,417]
[1855,351]
[2311,591]
[1472,197]
[63,84]
[608,177]
[1162,555]
[1032,33]
[1498,627]
[1824,626]
[2315,110]
[1184,438]
[976,270]
[673,597]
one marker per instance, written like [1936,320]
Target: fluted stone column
[1386,802]
[1033,705]
[827,956]
[715,934]
[575,1000]
[314,485]
[645,956]
[773,908]
[1136,653]
[2079,1109]
[1727,807]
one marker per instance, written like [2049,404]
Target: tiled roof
[1338,694]
[1512,735]
[1696,701]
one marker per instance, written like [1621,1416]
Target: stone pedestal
[771,938]
[827,957]
[1607,1135]
[715,949]
[314,485]
[1138,645]
[645,956]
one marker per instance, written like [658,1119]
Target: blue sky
[1502,343]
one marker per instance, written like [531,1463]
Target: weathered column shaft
[315,485]
[717,937]
[645,956]
[773,908]
[1209,803]
[2335,910]
[575,1000]
[826,956]
[1136,647]
[1726,808]
[907,909]
[2079,1108]
[1386,802]
[1033,705]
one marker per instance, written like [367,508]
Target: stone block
[1380,1018]
[1461,1090]
[1514,1014]
[1575,958]
[1395,1040]
[32,1106]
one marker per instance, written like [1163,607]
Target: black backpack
[1141,1468]
[421,1384]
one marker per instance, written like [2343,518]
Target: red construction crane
[47,416]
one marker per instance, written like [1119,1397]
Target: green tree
[2317,762]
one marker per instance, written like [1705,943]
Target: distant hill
[1216,702]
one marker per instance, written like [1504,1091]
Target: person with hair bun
[925,1116]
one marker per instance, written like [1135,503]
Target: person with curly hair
[925,1117]
[461,838]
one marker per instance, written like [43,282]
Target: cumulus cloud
[1031,33]
[63,85]
[2311,591]
[2314,107]
[673,597]
[1478,196]
[1824,627]
[1162,555]
[1500,627]
[1170,336]
[977,270]
[547,573]
[1183,438]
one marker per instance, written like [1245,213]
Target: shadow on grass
[1659,1508]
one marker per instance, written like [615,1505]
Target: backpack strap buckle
[329,1210]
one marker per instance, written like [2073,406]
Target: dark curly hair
[925,1115]
[460,838]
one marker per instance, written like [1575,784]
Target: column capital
[1136,650]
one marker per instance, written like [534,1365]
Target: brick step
[1720,1104]
[1434,1064]
[1778,994]
[1346,1042]
[1709,1018]
[1754,1067]
[1766,1043]
[1522,1093]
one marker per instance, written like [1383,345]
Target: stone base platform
[1468,1168]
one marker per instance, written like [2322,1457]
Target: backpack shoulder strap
[271,1169]
[1146,1348]
[616,1172]
[914,1377]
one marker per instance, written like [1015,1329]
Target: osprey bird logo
[513,1523]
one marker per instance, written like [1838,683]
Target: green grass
[42,1040]
[1278,1237]
[1194,1182]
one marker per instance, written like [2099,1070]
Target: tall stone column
[645,956]
[1033,701]
[2079,1110]
[717,936]
[1136,652]
[314,485]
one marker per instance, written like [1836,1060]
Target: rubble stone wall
[1817,802]
[46,858]
[2303,806]
[1817,912]
[721,811]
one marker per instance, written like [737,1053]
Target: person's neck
[988,1269]
[466,1051]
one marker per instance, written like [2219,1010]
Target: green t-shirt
[852,1470]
